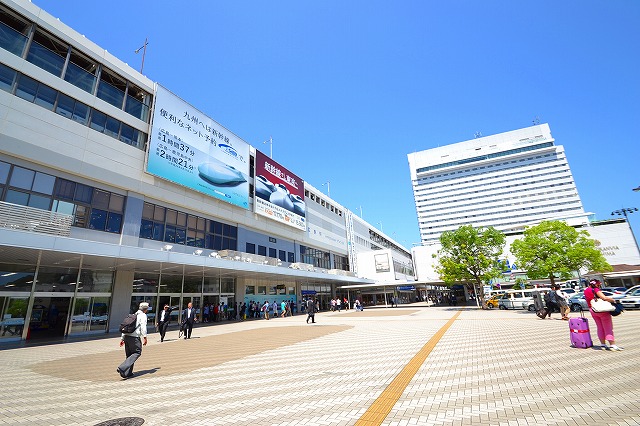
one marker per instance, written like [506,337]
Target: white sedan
[631,300]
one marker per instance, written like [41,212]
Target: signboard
[406,288]
[382,262]
[279,193]
[192,150]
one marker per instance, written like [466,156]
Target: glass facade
[172,226]
[33,91]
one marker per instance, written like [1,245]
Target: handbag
[600,305]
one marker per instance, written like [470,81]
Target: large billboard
[279,193]
[191,149]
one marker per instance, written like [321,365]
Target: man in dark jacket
[311,310]
[551,301]
[188,318]
[163,321]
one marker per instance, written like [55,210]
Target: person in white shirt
[133,342]
[561,301]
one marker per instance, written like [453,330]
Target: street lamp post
[623,212]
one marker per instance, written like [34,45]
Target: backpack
[128,324]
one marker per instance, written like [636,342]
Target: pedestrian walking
[561,301]
[133,342]
[163,321]
[188,318]
[311,311]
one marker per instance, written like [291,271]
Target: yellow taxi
[492,302]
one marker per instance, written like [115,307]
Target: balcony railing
[239,256]
[23,218]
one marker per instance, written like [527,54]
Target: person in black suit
[188,318]
[163,321]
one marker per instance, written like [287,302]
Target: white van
[515,299]
[519,299]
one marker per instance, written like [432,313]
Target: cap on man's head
[143,306]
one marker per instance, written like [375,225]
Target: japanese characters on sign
[279,193]
[191,149]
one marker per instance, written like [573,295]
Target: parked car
[492,302]
[579,303]
[631,300]
[615,290]
[519,299]
[570,292]
[630,290]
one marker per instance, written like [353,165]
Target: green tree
[521,283]
[469,255]
[554,248]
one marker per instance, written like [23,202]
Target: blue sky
[348,88]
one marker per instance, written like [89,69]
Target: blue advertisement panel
[191,149]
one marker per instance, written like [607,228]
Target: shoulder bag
[600,305]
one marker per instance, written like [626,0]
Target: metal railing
[23,218]
[239,256]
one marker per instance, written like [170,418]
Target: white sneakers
[612,348]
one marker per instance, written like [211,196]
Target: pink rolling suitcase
[579,332]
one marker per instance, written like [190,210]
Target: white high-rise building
[506,181]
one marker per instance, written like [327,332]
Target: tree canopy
[554,248]
[470,255]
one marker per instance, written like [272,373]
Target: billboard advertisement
[191,149]
[279,193]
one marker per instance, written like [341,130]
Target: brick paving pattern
[486,368]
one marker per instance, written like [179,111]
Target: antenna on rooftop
[536,120]
[477,135]
[144,52]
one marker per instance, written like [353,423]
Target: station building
[114,191]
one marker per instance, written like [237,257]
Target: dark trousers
[188,326]
[133,350]
[311,316]
[551,307]
[162,328]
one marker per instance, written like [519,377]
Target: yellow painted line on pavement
[379,410]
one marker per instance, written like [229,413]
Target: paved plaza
[411,365]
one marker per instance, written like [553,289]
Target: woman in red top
[603,320]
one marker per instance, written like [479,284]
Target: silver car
[631,299]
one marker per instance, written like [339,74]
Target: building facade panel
[72,143]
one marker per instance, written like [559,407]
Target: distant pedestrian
[550,299]
[133,342]
[311,311]
[188,318]
[163,321]
[265,310]
[561,301]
